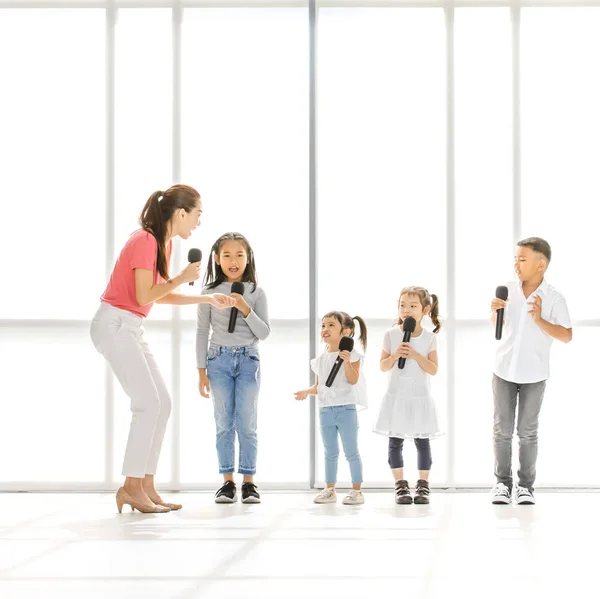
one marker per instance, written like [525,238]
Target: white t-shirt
[341,392]
[407,409]
[523,354]
[411,380]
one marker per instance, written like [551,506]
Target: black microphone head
[409,325]
[237,287]
[346,343]
[194,255]
[502,292]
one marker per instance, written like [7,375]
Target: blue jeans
[342,420]
[234,376]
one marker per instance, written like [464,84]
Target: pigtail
[435,312]
[210,275]
[363,331]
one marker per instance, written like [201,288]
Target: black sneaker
[403,493]
[249,493]
[227,493]
[422,492]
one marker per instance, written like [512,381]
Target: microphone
[194,255]
[408,326]
[501,293]
[235,288]
[346,344]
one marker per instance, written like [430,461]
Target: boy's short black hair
[537,244]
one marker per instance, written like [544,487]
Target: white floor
[77,546]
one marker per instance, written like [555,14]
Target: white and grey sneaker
[524,496]
[500,494]
[355,497]
[327,495]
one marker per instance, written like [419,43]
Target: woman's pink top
[139,252]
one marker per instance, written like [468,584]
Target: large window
[381,192]
[483,95]
[244,117]
[442,134]
[561,148]
[52,147]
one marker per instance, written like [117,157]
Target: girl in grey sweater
[228,360]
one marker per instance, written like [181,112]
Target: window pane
[52,156]
[143,117]
[381,156]
[473,446]
[561,142]
[245,141]
[570,414]
[483,125]
[381,91]
[53,410]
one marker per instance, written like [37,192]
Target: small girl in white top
[339,402]
[408,409]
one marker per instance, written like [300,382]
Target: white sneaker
[327,495]
[500,494]
[355,497]
[524,496]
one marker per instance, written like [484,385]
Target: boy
[535,314]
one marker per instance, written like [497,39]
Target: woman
[140,278]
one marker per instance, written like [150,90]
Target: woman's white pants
[118,335]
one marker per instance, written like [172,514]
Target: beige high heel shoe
[124,498]
[172,506]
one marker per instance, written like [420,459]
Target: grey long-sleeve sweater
[248,331]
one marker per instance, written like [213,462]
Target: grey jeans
[529,397]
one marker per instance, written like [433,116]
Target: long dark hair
[426,300]
[347,322]
[213,278]
[158,211]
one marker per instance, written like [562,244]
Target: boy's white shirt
[523,354]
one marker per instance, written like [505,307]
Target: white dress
[341,392]
[407,409]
